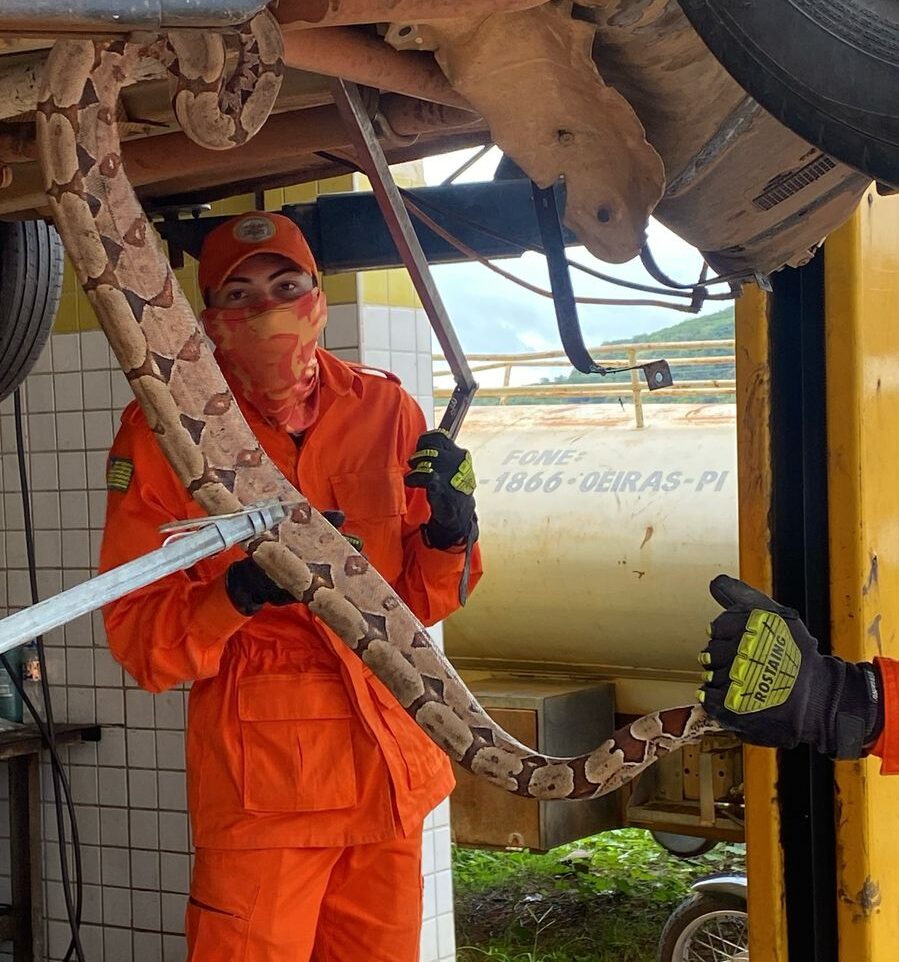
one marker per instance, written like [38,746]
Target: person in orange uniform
[307,781]
[766,680]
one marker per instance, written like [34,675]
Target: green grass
[603,899]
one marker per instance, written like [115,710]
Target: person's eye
[233,296]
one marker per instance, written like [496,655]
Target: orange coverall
[307,782]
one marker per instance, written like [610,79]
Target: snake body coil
[162,350]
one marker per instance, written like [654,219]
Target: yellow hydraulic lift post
[862,331]
[818,442]
[764,857]
[802,874]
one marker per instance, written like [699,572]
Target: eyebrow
[234,279]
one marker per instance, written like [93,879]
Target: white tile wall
[130,787]
[134,777]
[399,339]
[375,335]
[342,329]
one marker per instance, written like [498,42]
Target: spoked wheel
[706,928]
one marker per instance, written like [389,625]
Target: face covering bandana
[270,350]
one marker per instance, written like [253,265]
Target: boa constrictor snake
[162,350]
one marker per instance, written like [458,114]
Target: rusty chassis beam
[295,14]
[106,17]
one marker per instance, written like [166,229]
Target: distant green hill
[711,327]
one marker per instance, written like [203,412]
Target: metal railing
[610,355]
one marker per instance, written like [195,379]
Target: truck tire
[827,69]
[31,271]
[683,846]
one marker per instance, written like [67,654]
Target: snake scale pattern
[223,87]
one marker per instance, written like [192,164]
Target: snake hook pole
[351,105]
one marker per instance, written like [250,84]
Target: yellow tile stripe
[391,288]
[75,311]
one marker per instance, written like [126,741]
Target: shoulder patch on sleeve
[375,372]
[119,472]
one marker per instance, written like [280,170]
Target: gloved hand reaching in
[445,471]
[249,587]
[766,680]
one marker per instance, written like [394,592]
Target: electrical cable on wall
[46,725]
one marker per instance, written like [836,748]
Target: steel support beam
[347,232]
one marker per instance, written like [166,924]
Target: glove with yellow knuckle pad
[766,680]
[446,473]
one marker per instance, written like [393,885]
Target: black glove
[766,680]
[249,587]
[445,471]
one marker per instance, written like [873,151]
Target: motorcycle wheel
[706,928]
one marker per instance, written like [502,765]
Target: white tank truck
[601,526]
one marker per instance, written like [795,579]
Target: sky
[493,315]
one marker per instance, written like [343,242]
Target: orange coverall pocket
[297,743]
[368,495]
[220,908]
[374,503]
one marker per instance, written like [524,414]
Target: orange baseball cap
[257,232]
